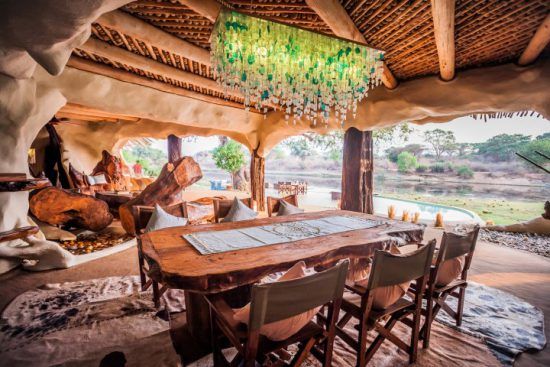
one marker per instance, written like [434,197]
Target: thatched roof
[486,32]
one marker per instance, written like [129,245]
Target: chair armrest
[355,289]
[18,233]
[222,310]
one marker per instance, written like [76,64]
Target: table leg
[198,318]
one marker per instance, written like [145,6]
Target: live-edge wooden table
[179,265]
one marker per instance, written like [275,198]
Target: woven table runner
[213,242]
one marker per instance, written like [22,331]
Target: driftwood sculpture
[58,206]
[111,167]
[165,190]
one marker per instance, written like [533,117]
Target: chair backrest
[392,269]
[454,245]
[143,213]
[273,203]
[278,301]
[222,207]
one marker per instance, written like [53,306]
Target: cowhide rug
[110,321]
[83,323]
[506,323]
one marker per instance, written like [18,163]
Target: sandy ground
[522,274]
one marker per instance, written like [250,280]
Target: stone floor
[523,274]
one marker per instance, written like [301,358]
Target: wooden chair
[452,246]
[222,207]
[387,270]
[278,301]
[273,203]
[142,214]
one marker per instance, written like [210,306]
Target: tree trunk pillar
[357,171]
[174,148]
[257,179]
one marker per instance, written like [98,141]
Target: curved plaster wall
[34,32]
[506,88]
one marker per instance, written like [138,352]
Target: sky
[466,130]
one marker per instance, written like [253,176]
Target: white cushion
[288,209]
[100,180]
[160,219]
[239,211]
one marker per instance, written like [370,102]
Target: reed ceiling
[487,32]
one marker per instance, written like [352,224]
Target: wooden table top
[180,265]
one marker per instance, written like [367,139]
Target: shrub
[449,167]
[422,168]
[465,172]
[438,167]
[406,162]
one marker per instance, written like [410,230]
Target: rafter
[207,8]
[117,54]
[537,43]
[443,16]
[101,69]
[136,28]
[336,17]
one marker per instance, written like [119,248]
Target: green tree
[441,141]
[151,159]
[406,162]
[542,145]
[465,172]
[501,148]
[414,149]
[299,146]
[229,157]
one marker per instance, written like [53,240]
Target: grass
[498,211]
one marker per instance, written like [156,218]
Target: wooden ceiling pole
[207,8]
[117,54]
[137,28]
[336,17]
[537,43]
[443,15]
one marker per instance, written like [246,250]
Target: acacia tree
[501,148]
[442,141]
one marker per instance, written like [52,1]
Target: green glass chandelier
[305,74]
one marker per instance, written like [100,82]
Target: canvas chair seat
[352,304]
[451,285]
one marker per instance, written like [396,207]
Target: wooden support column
[257,179]
[357,171]
[443,15]
[174,148]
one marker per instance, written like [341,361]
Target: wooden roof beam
[137,28]
[207,8]
[124,76]
[336,17]
[117,54]
[443,15]
[536,44]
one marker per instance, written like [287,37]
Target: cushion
[288,209]
[160,219]
[383,297]
[239,211]
[449,270]
[100,180]
[283,329]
